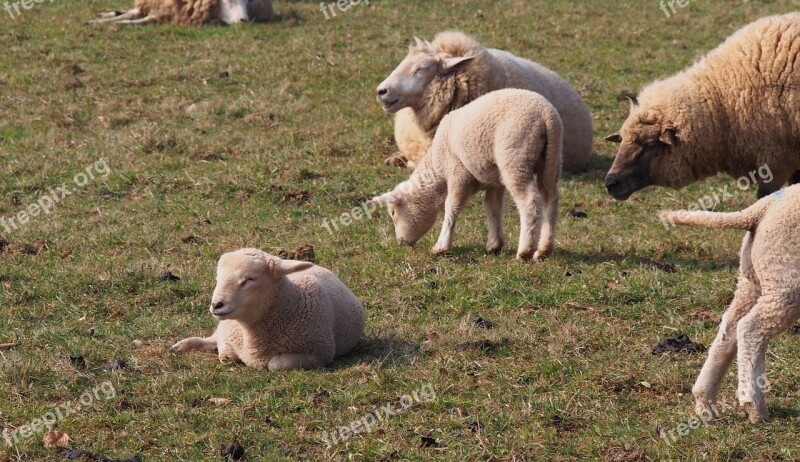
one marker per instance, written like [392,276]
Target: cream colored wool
[465,70]
[191,12]
[507,139]
[279,314]
[767,300]
[735,110]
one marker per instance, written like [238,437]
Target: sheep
[501,140]
[191,12]
[436,78]
[734,111]
[767,300]
[279,314]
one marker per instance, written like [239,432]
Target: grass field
[204,140]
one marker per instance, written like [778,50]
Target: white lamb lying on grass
[767,300]
[279,314]
[507,139]
[191,12]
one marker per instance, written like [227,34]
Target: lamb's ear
[391,197]
[285,267]
[614,138]
[455,63]
[669,137]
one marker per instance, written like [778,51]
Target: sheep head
[233,11]
[650,153]
[412,215]
[409,83]
[246,279]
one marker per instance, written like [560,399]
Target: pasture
[177,144]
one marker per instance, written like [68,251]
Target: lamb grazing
[500,140]
[279,314]
[734,111]
[191,12]
[436,78]
[767,300]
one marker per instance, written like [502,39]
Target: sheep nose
[612,182]
[382,91]
[217,305]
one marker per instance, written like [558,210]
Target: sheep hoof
[752,412]
[525,256]
[541,255]
[440,251]
[494,249]
[176,349]
[397,160]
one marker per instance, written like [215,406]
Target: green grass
[203,164]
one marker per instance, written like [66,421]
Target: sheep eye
[245,281]
[652,143]
[391,212]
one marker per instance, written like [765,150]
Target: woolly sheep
[436,78]
[279,314]
[500,140]
[191,12]
[767,300]
[734,111]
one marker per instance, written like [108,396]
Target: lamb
[767,300]
[734,111]
[501,140]
[436,78]
[191,12]
[279,314]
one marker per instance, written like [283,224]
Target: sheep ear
[614,138]
[391,197]
[669,137]
[419,42]
[634,100]
[456,63]
[285,267]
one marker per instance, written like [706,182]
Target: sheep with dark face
[734,111]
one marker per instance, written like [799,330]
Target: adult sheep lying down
[279,314]
[441,76]
[734,111]
[191,12]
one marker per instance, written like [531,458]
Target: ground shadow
[467,255]
[668,265]
[783,413]
[384,350]
[289,15]
[595,171]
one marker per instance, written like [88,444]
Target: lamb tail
[747,219]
